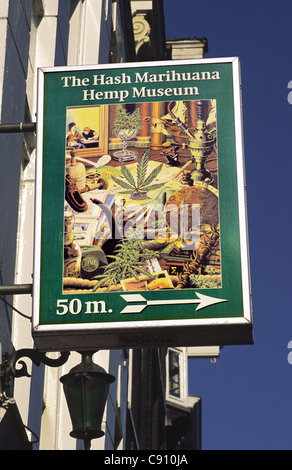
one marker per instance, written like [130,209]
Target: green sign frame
[189,281]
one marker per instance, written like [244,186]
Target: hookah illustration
[200,143]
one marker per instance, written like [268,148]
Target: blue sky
[247,393]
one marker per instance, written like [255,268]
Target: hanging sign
[140,235]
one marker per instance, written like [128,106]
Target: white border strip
[38,202]
[242,213]
[136,325]
[169,63]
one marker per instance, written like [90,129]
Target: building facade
[43,33]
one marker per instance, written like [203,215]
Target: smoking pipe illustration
[172,159]
[200,143]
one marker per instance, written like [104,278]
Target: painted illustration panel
[142,197]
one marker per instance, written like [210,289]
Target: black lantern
[86,388]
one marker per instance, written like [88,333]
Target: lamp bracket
[9,362]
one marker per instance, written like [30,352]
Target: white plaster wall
[41,54]
[46,413]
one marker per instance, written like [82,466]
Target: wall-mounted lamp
[86,388]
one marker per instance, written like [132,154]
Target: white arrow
[202,301]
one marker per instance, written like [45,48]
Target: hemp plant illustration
[127,263]
[127,121]
[139,186]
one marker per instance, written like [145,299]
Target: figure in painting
[73,137]
[89,134]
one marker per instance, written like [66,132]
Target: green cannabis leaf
[142,168]
[127,174]
[142,182]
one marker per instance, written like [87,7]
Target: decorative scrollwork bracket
[9,362]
